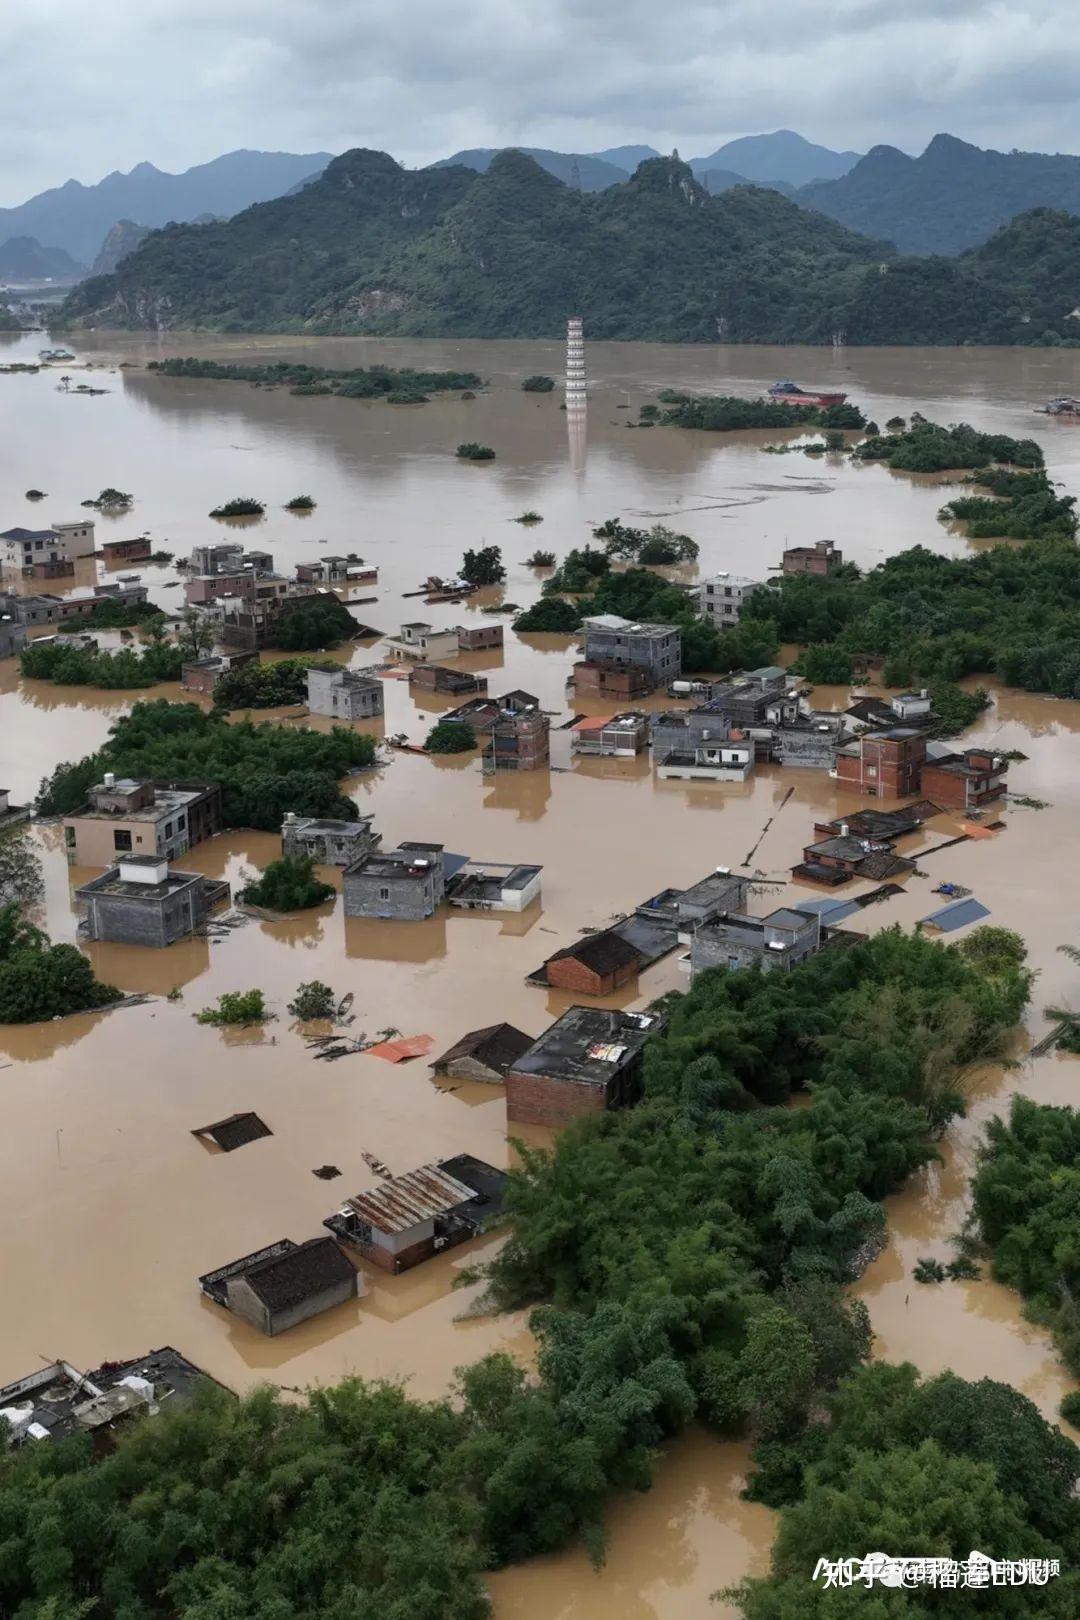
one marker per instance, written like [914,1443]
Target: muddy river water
[110,1209]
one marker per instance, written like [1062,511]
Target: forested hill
[950,198]
[372,247]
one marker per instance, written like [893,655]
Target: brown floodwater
[111,1209]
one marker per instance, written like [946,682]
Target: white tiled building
[720,598]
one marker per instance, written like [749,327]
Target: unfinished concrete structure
[328,841]
[127,817]
[720,598]
[616,736]
[821,558]
[284,1284]
[773,943]
[344,694]
[403,1221]
[437,678]
[483,1054]
[479,637]
[655,649]
[405,884]
[203,674]
[730,760]
[144,901]
[588,1060]
[493,886]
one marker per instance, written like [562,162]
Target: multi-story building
[885,764]
[773,943]
[344,694]
[127,817]
[516,740]
[620,736]
[26,549]
[203,674]
[46,609]
[727,760]
[479,637]
[350,570]
[822,558]
[967,781]
[421,641]
[330,842]
[137,549]
[720,598]
[655,649]
[405,884]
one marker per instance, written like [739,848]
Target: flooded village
[294,1201]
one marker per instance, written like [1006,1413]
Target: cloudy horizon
[179,82]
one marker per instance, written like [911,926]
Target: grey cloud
[178,81]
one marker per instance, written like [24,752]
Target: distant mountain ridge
[589,170]
[372,247]
[23,258]
[783,155]
[77,217]
[952,197]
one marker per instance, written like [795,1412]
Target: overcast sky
[96,85]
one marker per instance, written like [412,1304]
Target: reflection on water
[99,1108]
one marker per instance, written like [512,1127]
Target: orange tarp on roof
[975,831]
[405,1047]
[594,723]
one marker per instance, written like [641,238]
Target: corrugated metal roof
[407,1201]
[830,911]
[957,916]
[406,1046]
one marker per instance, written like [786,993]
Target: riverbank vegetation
[287,884]
[125,670]
[357,382]
[264,769]
[1010,611]
[690,1253]
[40,980]
[1026,1208]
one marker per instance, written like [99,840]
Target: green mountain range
[22,258]
[952,197]
[372,247]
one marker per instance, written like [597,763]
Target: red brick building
[967,781]
[137,550]
[593,966]
[517,740]
[589,1060]
[437,678]
[821,558]
[475,638]
[596,678]
[885,764]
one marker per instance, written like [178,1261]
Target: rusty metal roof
[407,1201]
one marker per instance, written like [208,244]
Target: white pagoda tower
[575,364]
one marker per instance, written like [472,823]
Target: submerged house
[284,1284]
[493,886]
[407,1219]
[421,641]
[773,943]
[438,678]
[966,781]
[840,858]
[887,764]
[617,736]
[588,1060]
[144,901]
[406,884]
[516,740]
[483,1054]
[328,841]
[57,1401]
[344,694]
[594,965]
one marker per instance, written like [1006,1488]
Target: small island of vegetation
[450,737]
[240,506]
[728,413]
[483,567]
[236,1008]
[474,452]
[538,384]
[287,884]
[359,382]
[300,503]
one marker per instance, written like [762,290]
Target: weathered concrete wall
[405,901]
[244,1302]
[537,1099]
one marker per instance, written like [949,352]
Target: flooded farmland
[111,1209]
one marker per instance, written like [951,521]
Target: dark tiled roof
[235,1131]
[603,953]
[498,1046]
[287,1279]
